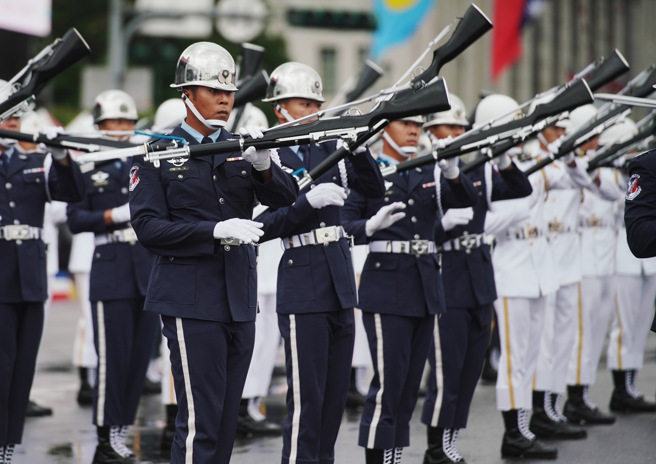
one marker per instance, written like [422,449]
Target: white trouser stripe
[296,387]
[439,374]
[102,365]
[191,420]
[381,376]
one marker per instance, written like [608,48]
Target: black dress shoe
[354,399]
[248,426]
[35,410]
[581,413]
[516,445]
[105,454]
[622,401]
[544,427]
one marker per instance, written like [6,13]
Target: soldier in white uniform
[525,274]
[598,234]
[635,289]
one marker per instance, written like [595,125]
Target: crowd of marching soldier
[390,240]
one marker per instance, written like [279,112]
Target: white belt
[20,232]
[321,236]
[126,235]
[524,234]
[595,223]
[465,242]
[559,227]
[409,247]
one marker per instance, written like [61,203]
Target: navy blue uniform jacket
[314,278]
[119,270]
[396,283]
[23,196]
[174,208]
[469,277]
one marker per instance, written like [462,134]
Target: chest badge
[100,178]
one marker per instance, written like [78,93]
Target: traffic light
[332,19]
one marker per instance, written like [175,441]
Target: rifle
[573,96]
[432,97]
[52,60]
[251,86]
[370,73]
[602,72]
[606,155]
[606,117]
[251,58]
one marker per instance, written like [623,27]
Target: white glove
[241,229]
[326,194]
[121,213]
[457,217]
[440,144]
[555,145]
[449,167]
[385,217]
[260,159]
[502,162]
[51,132]
[569,158]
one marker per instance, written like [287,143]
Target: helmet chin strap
[213,124]
[403,151]
[285,113]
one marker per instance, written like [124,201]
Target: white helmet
[494,106]
[579,116]
[419,119]
[206,64]
[456,115]
[294,80]
[114,104]
[169,114]
[619,132]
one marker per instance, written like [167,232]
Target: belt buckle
[325,235]
[467,242]
[419,247]
[17,232]
[129,235]
[230,241]
[595,221]
[532,232]
[556,226]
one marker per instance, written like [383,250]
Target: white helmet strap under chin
[403,151]
[213,124]
[285,113]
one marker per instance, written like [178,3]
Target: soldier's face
[118,125]
[552,133]
[12,124]
[298,108]
[212,103]
[442,131]
[404,133]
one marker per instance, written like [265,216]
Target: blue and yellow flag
[397,21]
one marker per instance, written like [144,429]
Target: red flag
[506,35]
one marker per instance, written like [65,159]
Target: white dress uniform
[79,265]
[636,289]
[598,232]
[525,274]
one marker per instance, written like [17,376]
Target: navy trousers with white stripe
[399,346]
[209,362]
[124,336]
[318,354]
[456,360]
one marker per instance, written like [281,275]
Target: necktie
[207,140]
[304,150]
[4,168]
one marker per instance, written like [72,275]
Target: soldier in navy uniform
[458,351]
[28,182]
[400,287]
[123,333]
[639,208]
[316,284]
[195,215]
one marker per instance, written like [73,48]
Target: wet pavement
[68,437]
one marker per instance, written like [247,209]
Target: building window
[329,70]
